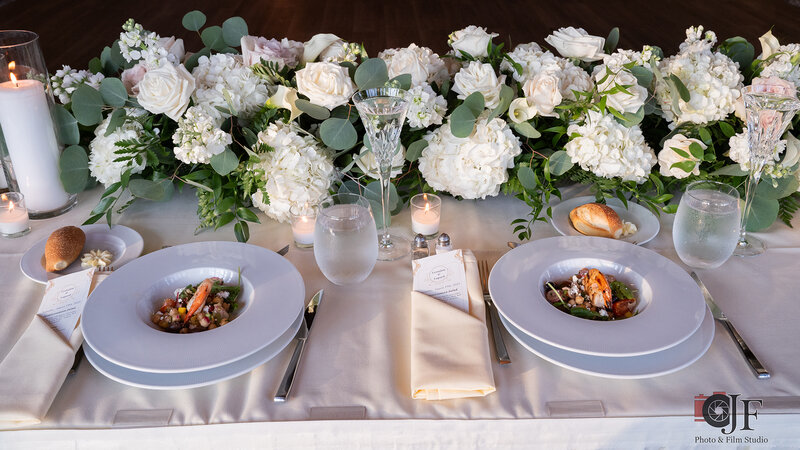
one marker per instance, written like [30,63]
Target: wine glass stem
[385,175]
[749,194]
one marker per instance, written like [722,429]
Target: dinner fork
[500,351]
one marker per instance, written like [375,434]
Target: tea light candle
[425,214]
[13,215]
[31,142]
[304,217]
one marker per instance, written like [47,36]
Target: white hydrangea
[199,136]
[609,149]
[740,153]
[612,72]
[425,108]
[421,63]
[617,60]
[223,80]
[298,170]
[67,79]
[779,64]
[102,148]
[713,81]
[535,61]
[471,167]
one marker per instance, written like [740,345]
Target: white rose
[577,43]
[369,165]
[543,93]
[174,47]
[321,46]
[668,156]
[326,84]
[622,101]
[769,45]
[472,40]
[421,63]
[167,89]
[478,77]
[285,97]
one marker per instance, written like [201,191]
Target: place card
[443,277]
[63,301]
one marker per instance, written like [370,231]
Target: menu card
[63,301]
[443,277]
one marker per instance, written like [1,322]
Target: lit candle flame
[10,206]
[3,197]
[304,218]
[427,207]
[14,80]
[425,196]
[12,65]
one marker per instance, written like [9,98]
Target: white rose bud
[769,45]
[668,156]
[319,44]
[325,84]
[577,43]
[473,40]
[478,77]
[167,89]
[622,101]
[543,93]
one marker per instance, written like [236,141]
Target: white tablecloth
[358,357]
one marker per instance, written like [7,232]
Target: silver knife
[302,336]
[283,251]
[755,364]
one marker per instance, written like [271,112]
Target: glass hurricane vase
[770,108]
[383,111]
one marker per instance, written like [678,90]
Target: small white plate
[670,307]
[123,242]
[188,380]
[645,366]
[646,222]
[116,318]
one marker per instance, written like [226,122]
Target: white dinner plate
[123,242]
[645,366]
[646,222]
[116,318]
[188,380]
[670,307]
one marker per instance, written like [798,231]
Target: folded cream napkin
[32,373]
[449,348]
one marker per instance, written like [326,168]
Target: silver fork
[500,350]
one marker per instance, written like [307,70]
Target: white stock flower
[668,156]
[67,79]
[780,64]
[224,81]
[199,136]
[471,167]
[712,79]
[425,108]
[421,63]
[283,53]
[472,40]
[369,164]
[609,149]
[740,153]
[298,170]
[137,44]
[573,42]
[102,164]
[616,61]
[326,84]
[166,90]
[478,77]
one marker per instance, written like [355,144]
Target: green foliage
[213,39]
[194,20]
[73,167]
[66,126]
[315,111]
[113,92]
[415,150]
[371,73]
[233,30]
[87,105]
[225,162]
[462,121]
[338,134]
[612,40]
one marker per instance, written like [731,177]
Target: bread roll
[63,247]
[594,219]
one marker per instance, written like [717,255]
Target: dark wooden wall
[74,31]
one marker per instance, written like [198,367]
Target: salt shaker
[420,247]
[443,244]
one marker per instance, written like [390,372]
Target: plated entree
[590,294]
[200,307]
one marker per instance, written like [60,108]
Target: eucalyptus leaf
[73,168]
[763,212]
[527,177]
[314,111]
[612,40]
[67,126]
[371,73]
[116,121]
[109,65]
[475,102]
[373,192]
[115,55]
[87,105]
[212,38]
[95,65]
[338,134]
[191,62]
[682,91]
[414,150]
[156,191]
[225,162]
[349,187]
[560,163]
[194,20]
[402,81]
[233,30]
[462,121]
[779,188]
[506,97]
[527,130]
[644,76]
[733,170]
[113,92]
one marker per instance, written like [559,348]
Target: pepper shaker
[420,247]
[443,244]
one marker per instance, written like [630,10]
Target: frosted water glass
[345,239]
[706,227]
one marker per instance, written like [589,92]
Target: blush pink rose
[131,78]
